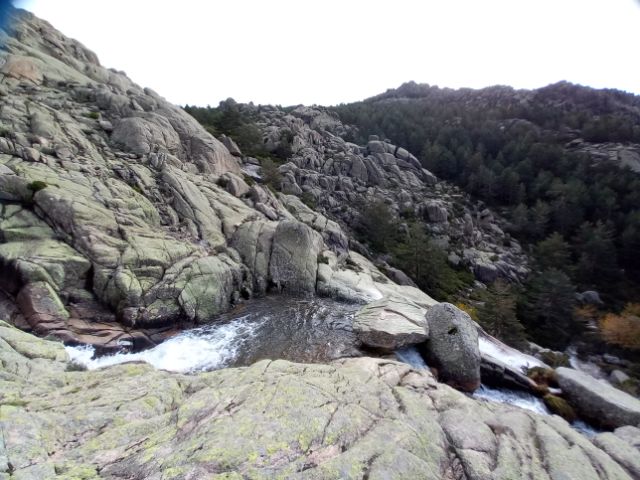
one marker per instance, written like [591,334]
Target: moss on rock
[560,406]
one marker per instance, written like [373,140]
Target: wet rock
[42,308]
[390,324]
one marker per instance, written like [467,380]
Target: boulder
[231,146]
[207,287]
[485,271]
[142,135]
[294,257]
[399,277]
[618,377]
[428,177]
[235,185]
[452,347]
[391,323]
[376,146]
[597,400]
[253,242]
[435,211]
[589,297]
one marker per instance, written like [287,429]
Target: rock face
[623,445]
[453,346]
[391,323]
[357,418]
[341,177]
[119,212]
[598,400]
[294,257]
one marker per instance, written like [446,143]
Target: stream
[315,330]
[308,330]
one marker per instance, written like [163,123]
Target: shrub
[37,185]
[249,180]
[75,367]
[322,258]
[271,176]
[624,329]
[555,359]
[309,200]
[469,309]
[498,314]
[631,386]
[543,376]
[94,115]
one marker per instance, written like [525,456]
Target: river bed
[310,330]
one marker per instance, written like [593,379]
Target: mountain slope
[116,205]
[563,159]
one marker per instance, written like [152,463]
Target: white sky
[326,52]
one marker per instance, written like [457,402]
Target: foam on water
[199,349]
[411,356]
[512,397]
[585,366]
[507,355]
[522,399]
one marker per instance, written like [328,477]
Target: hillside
[563,159]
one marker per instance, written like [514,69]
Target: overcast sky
[326,52]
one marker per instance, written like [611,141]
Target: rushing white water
[507,355]
[194,350]
[411,356]
[586,429]
[518,398]
[587,367]
[301,330]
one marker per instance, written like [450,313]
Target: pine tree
[547,308]
[553,252]
[498,314]
[378,226]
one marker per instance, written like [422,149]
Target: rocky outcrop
[390,324]
[118,206]
[625,156]
[453,346]
[340,178]
[294,257]
[274,419]
[597,400]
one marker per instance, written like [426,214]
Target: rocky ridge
[341,177]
